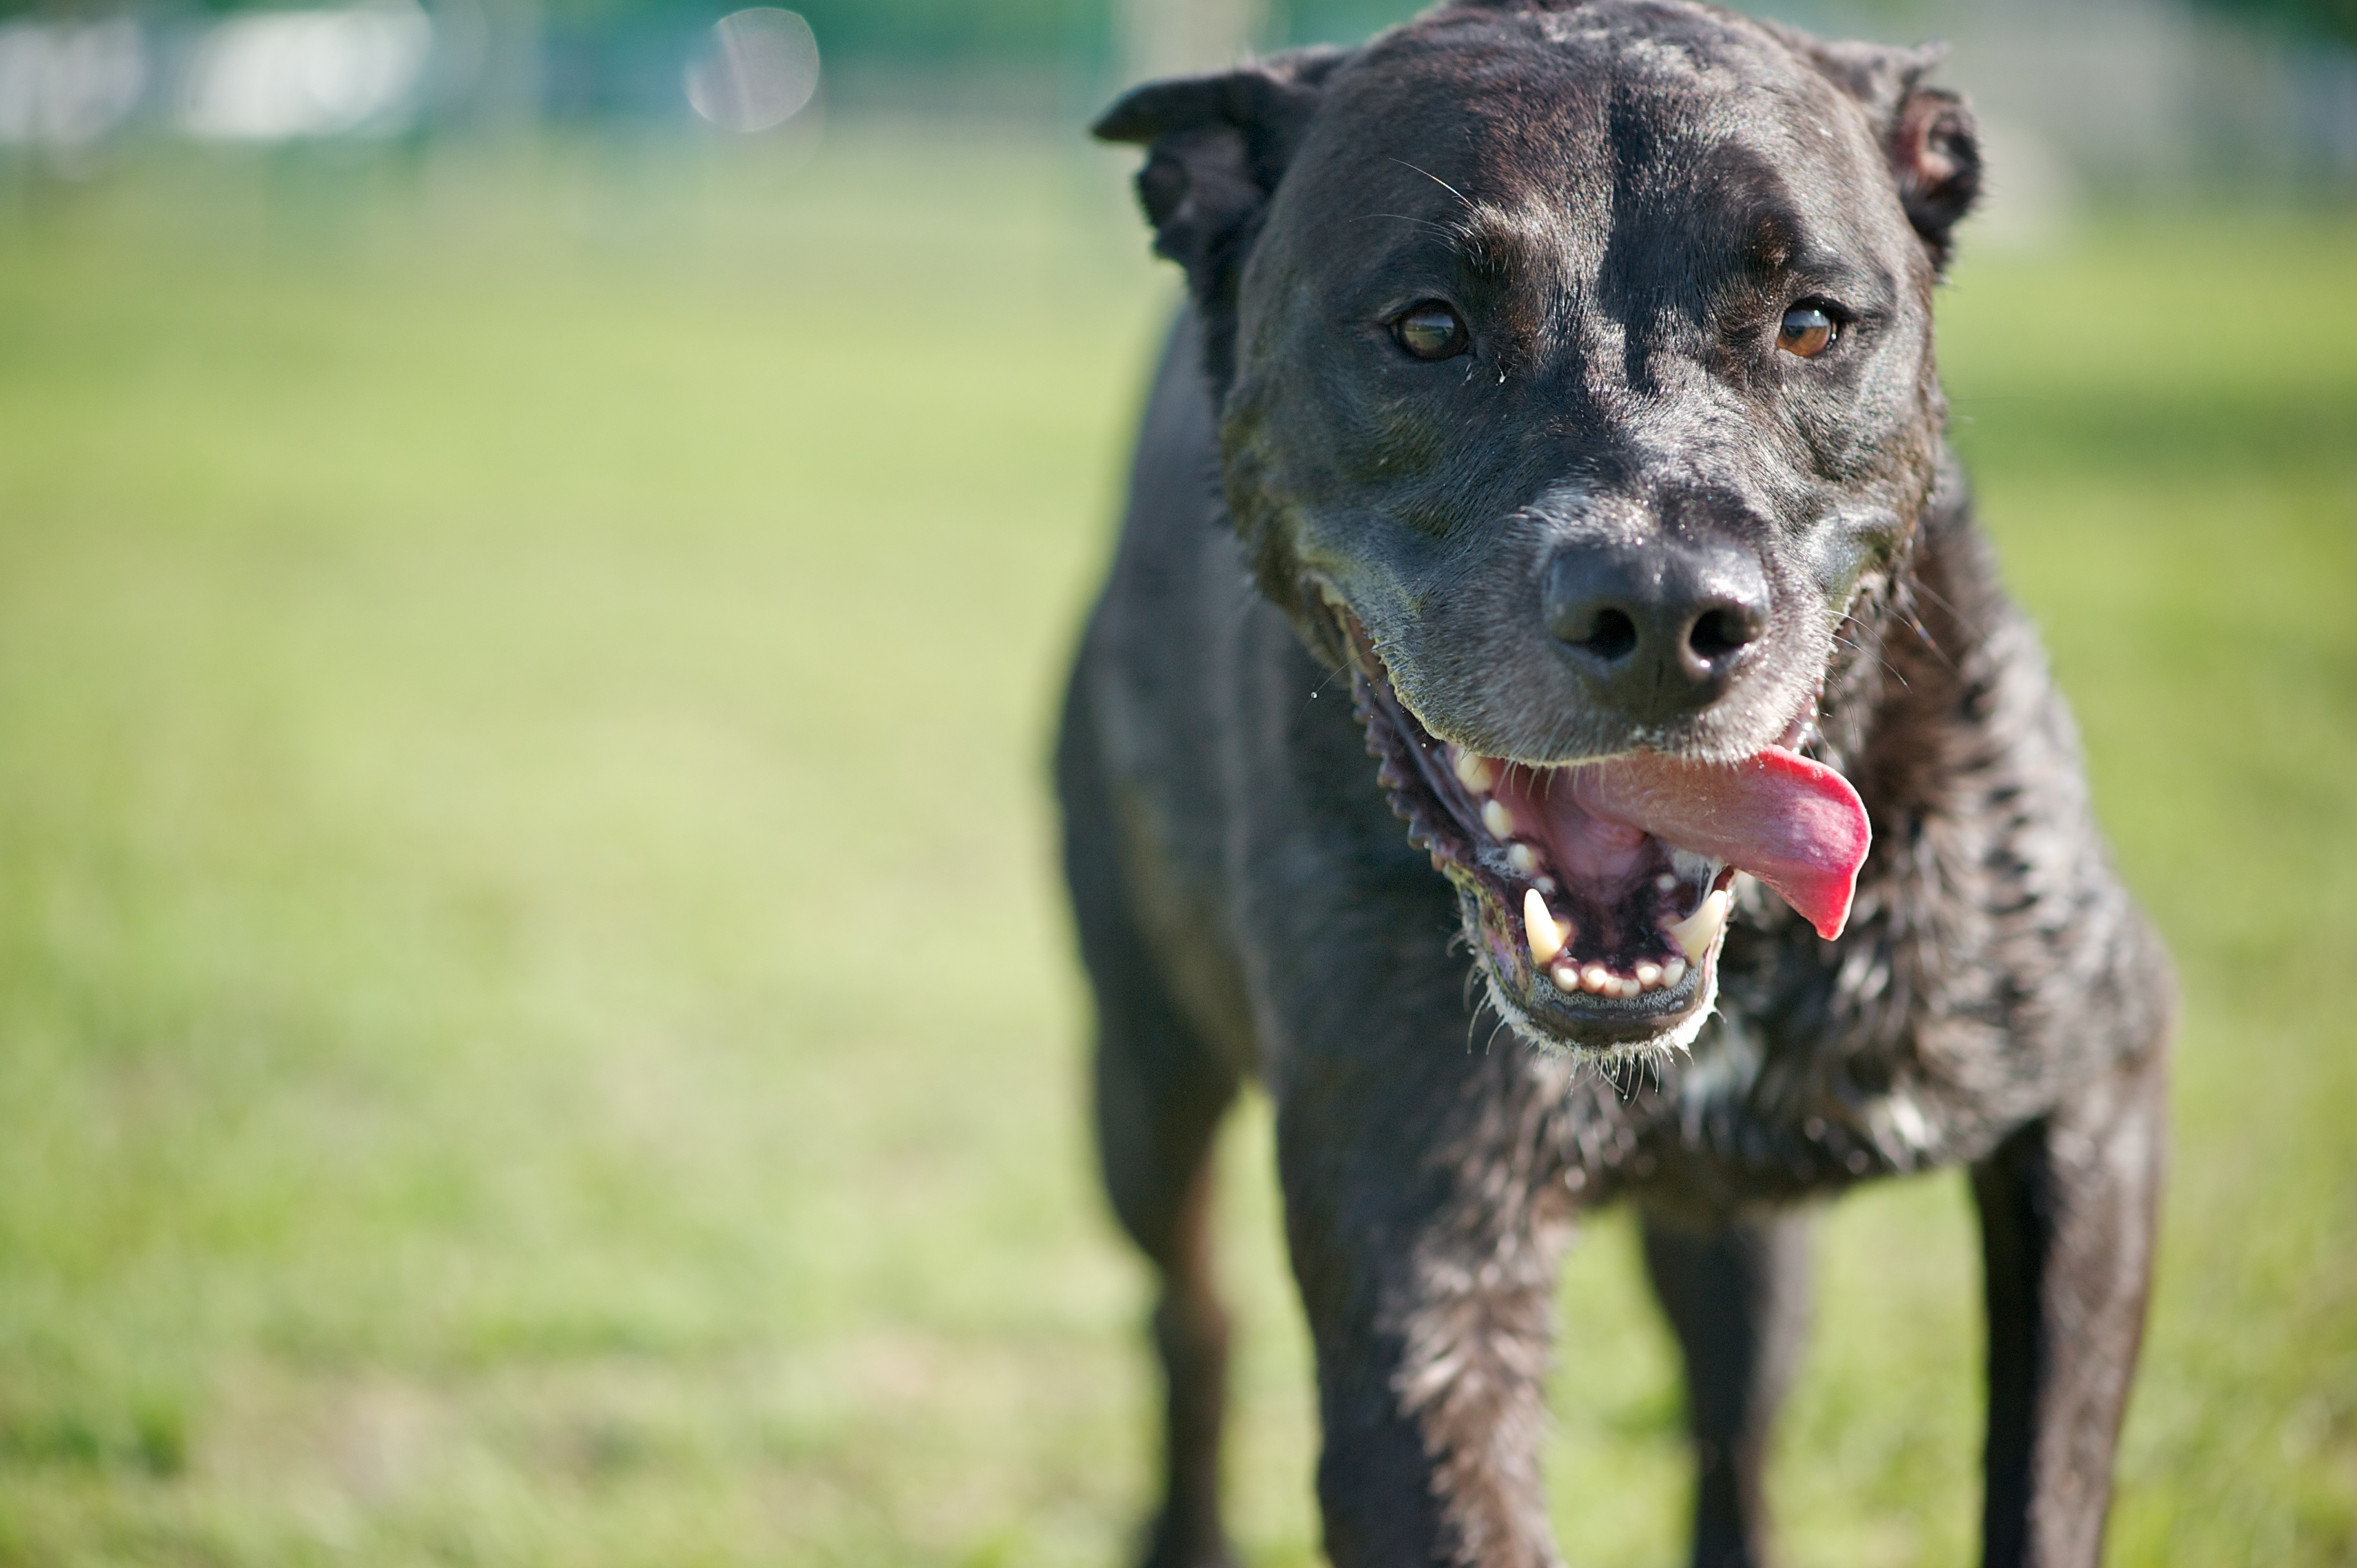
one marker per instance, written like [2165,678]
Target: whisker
[1923,635]
[1896,673]
[1946,604]
[1436,180]
[1442,230]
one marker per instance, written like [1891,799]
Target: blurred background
[537,542]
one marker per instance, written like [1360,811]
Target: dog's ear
[1928,133]
[1215,147]
[1936,150]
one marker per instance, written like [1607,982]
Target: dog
[1550,455]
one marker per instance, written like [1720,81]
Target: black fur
[1622,197]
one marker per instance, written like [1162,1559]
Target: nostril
[1612,636]
[1722,631]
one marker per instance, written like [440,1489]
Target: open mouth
[1597,893]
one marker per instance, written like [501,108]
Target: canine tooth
[1539,928]
[1498,819]
[1594,978]
[1475,772]
[1672,971]
[1522,858]
[1649,975]
[1694,934]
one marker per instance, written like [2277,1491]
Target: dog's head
[1575,385]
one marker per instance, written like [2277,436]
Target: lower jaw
[1579,1023]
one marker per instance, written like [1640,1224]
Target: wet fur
[1248,906]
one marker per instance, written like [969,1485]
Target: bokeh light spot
[757,69]
[272,75]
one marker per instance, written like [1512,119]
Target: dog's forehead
[1548,111]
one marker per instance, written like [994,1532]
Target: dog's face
[1576,384]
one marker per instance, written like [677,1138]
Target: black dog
[1563,372]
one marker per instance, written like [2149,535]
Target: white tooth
[1594,978]
[1694,934]
[1565,976]
[1539,928]
[1543,884]
[1666,882]
[1522,858]
[1630,989]
[1672,971]
[1498,819]
[1649,975]
[1475,772]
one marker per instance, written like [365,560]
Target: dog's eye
[1430,331]
[1806,331]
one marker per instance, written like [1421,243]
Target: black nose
[1660,627]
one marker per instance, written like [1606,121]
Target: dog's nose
[1662,627]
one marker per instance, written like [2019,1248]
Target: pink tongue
[1795,824]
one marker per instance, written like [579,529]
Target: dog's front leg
[1426,1233]
[2068,1206]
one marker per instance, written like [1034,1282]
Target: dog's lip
[1636,1020]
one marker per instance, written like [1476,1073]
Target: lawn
[535,1026]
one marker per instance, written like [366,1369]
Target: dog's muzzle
[1596,892]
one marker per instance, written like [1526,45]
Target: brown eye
[1431,331]
[1806,331]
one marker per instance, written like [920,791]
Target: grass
[535,1024]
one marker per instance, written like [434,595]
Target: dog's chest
[1717,1129]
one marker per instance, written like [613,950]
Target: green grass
[535,1024]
